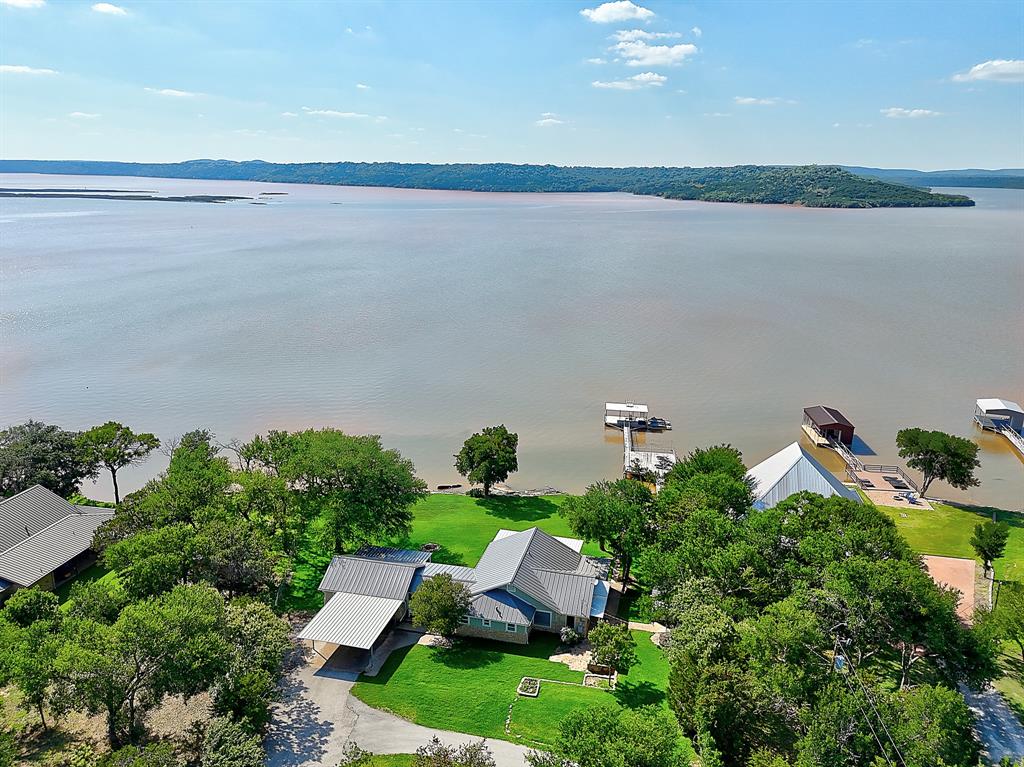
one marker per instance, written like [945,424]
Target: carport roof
[352,620]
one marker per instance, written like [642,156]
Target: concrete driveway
[316,716]
[999,730]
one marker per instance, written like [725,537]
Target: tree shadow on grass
[519,509]
[463,655]
[389,668]
[636,695]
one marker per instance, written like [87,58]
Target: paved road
[317,716]
[1000,732]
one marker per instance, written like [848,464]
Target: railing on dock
[854,464]
[1001,427]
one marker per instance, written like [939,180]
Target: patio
[888,489]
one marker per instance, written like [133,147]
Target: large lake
[425,315]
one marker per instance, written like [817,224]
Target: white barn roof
[636,408]
[792,470]
[353,620]
[994,403]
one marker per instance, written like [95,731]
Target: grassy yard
[93,573]
[1011,684]
[462,525]
[469,688]
[946,531]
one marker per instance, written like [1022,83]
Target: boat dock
[1002,417]
[640,460]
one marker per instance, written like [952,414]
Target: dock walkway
[652,459]
[1000,427]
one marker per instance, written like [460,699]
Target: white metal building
[792,470]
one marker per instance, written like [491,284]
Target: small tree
[439,604]
[228,745]
[989,542]
[437,754]
[488,457]
[115,446]
[938,455]
[612,646]
[26,606]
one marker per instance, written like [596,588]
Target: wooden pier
[638,459]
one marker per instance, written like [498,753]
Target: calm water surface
[424,315]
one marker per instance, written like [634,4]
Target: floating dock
[1002,417]
[639,459]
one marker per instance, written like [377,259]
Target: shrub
[569,636]
[228,745]
[612,646]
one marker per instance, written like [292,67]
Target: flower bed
[529,687]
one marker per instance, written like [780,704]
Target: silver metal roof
[353,620]
[26,513]
[369,577]
[499,605]
[388,554]
[42,553]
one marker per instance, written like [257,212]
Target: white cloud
[636,82]
[18,69]
[362,86]
[289,114]
[628,35]
[173,93]
[596,61]
[83,115]
[697,31]
[622,10]
[637,53]
[110,9]
[549,120]
[998,70]
[763,102]
[717,114]
[334,113]
[23,3]
[901,113]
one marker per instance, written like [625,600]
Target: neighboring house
[524,581]
[44,540]
[792,470]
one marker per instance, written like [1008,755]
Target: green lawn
[469,688]
[93,573]
[946,531]
[1011,684]
[391,760]
[462,525]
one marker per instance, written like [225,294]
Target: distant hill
[1005,178]
[820,186]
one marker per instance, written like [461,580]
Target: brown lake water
[425,315]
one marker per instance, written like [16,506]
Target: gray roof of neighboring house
[499,605]
[543,567]
[28,512]
[459,573]
[388,554]
[369,577]
[40,554]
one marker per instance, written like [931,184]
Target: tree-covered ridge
[823,186]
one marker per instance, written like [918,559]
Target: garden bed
[529,687]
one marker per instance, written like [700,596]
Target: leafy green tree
[989,542]
[26,606]
[100,600]
[165,645]
[154,561]
[29,665]
[440,604]
[236,557]
[488,456]
[114,446]
[437,754]
[612,646]
[35,453]
[603,736]
[227,744]
[932,725]
[618,515]
[258,640]
[150,755]
[938,455]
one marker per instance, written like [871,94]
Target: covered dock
[1002,417]
[618,414]
[825,425]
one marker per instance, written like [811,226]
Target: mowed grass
[96,572]
[1011,684]
[946,531]
[466,688]
[460,524]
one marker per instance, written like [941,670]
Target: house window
[464,620]
[542,618]
[486,623]
[570,621]
[510,628]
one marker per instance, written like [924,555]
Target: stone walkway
[316,716]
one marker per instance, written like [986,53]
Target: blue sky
[923,85]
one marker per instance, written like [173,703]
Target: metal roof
[353,620]
[636,408]
[388,554]
[573,543]
[499,605]
[26,513]
[993,403]
[465,575]
[42,553]
[823,415]
[792,470]
[368,577]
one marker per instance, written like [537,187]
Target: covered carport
[353,620]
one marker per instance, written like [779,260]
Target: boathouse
[1008,413]
[829,423]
